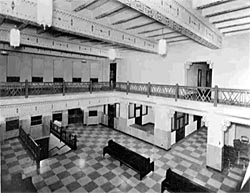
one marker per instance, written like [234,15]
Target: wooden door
[111,115]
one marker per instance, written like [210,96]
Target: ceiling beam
[235,25]
[238,30]
[148,31]
[226,11]
[231,19]
[112,12]
[85,5]
[207,4]
[22,26]
[178,18]
[2,20]
[174,41]
[141,25]
[161,34]
[127,20]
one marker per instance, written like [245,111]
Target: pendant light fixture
[162,46]
[112,54]
[15,37]
[44,12]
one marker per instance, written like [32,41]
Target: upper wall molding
[178,18]
[25,11]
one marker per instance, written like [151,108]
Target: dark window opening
[92,113]
[13,79]
[179,121]
[37,120]
[58,80]
[37,79]
[57,116]
[12,125]
[94,80]
[76,79]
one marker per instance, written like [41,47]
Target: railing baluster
[26,88]
[176,92]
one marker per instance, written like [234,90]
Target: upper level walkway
[195,100]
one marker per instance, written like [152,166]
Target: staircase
[57,147]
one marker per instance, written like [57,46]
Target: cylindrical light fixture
[112,54]
[44,12]
[162,47]
[14,37]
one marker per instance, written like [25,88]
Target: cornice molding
[178,18]
[71,23]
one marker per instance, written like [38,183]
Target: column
[123,119]
[25,122]
[65,118]
[162,132]
[2,129]
[215,140]
[46,124]
[83,116]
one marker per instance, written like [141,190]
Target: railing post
[64,88]
[90,87]
[127,91]
[75,140]
[216,95]
[26,88]
[149,89]
[176,92]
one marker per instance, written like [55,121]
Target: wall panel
[58,68]
[68,70]
[26,68]
[13,67]
[77,69]
[48,70]
[3,68]
[38,67]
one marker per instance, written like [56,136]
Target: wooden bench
[129,158]
[177,183]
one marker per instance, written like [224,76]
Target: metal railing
[213,95]
[30,144]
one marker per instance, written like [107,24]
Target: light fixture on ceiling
[162,46]
[84,61]
[112,54]
[44,12]
[15,37]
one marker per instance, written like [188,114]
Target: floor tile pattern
[86,170]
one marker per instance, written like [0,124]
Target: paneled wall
[26,66]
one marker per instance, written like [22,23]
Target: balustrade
[30,144]
[202,94]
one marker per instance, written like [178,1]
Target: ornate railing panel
[204,94]
[12,89]
[45,88]
[234,97]
[163,90]
[121,86]
[74,87]
[138,88]
[102,86]
[33,147]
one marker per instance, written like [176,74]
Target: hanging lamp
[112,54]
[15,37]
[44,12]
[162,47]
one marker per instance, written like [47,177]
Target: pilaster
[64,118]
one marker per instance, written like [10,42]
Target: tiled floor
[85,170]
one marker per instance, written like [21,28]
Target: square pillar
[162,133]
[64,118]
[123,119]
[215,141]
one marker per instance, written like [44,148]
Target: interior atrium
[138,96]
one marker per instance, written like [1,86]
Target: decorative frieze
[178,18]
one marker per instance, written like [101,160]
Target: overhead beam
[141,25]
[85,5]
[22,26]
[148,31]
[111,13]
[127,20]
[178,18]
[2,19]
[81,27]
[198,4]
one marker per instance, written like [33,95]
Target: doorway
[138,115]
[111,115]
[198,119]
[112,77]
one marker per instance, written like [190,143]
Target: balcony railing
[213,95]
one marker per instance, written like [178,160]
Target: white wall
[150,117]
[231,63]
